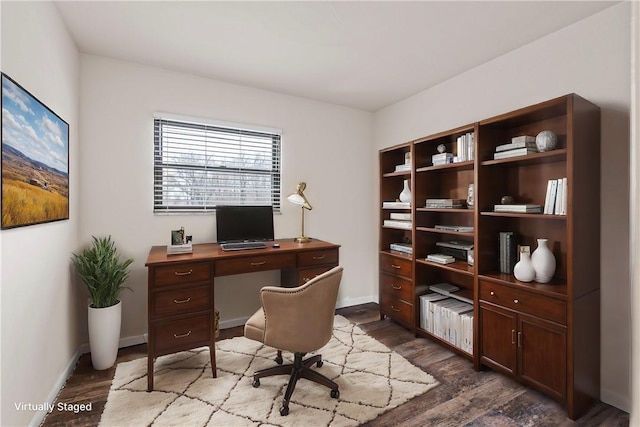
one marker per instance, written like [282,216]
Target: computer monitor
[244,223]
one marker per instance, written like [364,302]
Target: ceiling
[365,55]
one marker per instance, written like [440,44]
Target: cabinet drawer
[254,263]
[395,265]
[181,301]
[397,309]
[396,287]
[311,258]
[309,273]
[182,334]
[182,273]
[524,302]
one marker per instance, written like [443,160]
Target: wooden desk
[181,305]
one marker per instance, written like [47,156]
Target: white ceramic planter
[104,335]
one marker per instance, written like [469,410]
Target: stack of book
[396,205]
[465,149]
[445,203]
[519,146]
[521,208]
[508,251]
[555,202]
[455,228]
[441,258]
[406,166]
[441,159]
[187,248]
[398,220]
[401,248]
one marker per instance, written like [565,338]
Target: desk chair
[299,320]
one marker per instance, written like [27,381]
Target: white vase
[523,270]
[405,195]
[104,335]
[544,263]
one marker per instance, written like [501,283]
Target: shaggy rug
[372,380]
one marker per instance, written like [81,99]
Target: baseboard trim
[39,416]
[615,399]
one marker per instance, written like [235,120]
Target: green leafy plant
[100,269]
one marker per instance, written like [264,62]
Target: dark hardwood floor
[463,398]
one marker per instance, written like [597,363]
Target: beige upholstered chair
[299,320]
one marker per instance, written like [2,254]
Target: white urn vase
[523,270]
[405,195]
[104,335]
[544,263]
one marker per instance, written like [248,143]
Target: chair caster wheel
[335,394]
[279,360]
[284,411]
[319,363]
[256,383]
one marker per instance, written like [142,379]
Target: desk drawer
[397,309]
[321,257]
[396,287]
[524,302]
[395,265]
[182,334]
[254,263]
[175,274]
[181,301]
[309,273]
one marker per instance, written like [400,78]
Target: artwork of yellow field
[23,203]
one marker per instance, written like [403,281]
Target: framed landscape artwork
[35,160]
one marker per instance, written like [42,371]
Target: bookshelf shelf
[550,315]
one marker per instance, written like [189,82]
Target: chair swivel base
[299,369]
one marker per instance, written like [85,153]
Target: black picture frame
[35,159]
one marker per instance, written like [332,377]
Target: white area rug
[372,380]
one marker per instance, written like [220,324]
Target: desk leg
[212,352]
[149,372]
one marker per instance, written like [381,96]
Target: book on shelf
[402,216]
[508,251]
[405,248]
[521,208]
[441,258]
[456,228]
[444,288]
[446,319]
[524,138]
[426,309]
[561,197]
[396,205]
[445,203]
[465,149]
[403,168]
[442,159]
[514,153]
[550,199]
[563,210]
[514,145]
[397,224]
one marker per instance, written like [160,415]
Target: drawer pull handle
[183,273]
[397,288]
[182,301]
[255,264]
[395,266]
[317,258]
[513,336]
[519,339]
[492,293]
[182,335]
[515,301]
[394,309]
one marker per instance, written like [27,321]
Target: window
[198,166]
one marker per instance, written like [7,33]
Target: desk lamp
[299,199]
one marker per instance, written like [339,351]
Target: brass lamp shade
[298,198]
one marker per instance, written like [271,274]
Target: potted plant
[103,274]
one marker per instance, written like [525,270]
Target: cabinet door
[498,338]
[542,355]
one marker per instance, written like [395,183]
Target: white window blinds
[198,166]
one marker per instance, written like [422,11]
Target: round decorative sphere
[441,148]
[507,200]
[546,141]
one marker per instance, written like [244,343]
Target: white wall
[40,335]
[590,58]
[322,144]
